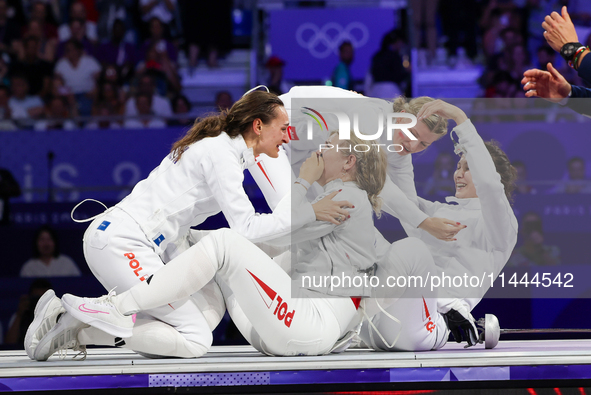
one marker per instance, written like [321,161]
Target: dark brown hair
[503,166]
[235,121]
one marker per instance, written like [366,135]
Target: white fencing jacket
[491,234]
[206,180]
[395,201]
[325,249]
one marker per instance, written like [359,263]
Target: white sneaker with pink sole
[100,313]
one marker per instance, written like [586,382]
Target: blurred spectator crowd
[65,61]
[67,64]
[504,38]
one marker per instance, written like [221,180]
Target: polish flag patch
[426,315]
[265,291]
[291,130]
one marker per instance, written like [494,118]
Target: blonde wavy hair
[435,123]
[370,168]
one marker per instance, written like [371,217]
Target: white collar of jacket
[247,158]
[337,184]
[467,203]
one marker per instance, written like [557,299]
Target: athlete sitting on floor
[484,183]
[281,320]
[201,176]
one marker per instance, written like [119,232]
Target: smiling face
[421,131]
[463,179]
[273,134]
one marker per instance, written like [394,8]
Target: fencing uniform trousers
[410,322]
[235,311]
[286,321]
[120,256]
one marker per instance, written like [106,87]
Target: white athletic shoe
[47,310]
[63,336]
[100,313]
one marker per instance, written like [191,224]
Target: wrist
[460,119]
[580,59]
[568,50]
[565,98]
[425,223]
[303,182]
[567,92]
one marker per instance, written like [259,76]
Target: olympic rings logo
[321,42]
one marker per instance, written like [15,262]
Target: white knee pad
[155,338]
[210,301]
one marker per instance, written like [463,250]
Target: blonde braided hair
[370,168]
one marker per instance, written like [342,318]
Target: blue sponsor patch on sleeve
[104,225]
[159,240]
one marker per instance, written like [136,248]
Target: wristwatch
[568,50]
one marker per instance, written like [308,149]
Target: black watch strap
[568,50]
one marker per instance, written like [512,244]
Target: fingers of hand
[429,109]
[527,88]
[420,113]
[532,73]
[331,195]
[457,335]
[426,110]
[549,21]
[425,113]
[555,74]
[448,235]
[556,16]
[565,14]
[342,212]
[344,204]
[333,220]
[471,337]
[340,218]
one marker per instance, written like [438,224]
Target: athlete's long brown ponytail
[237,120]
